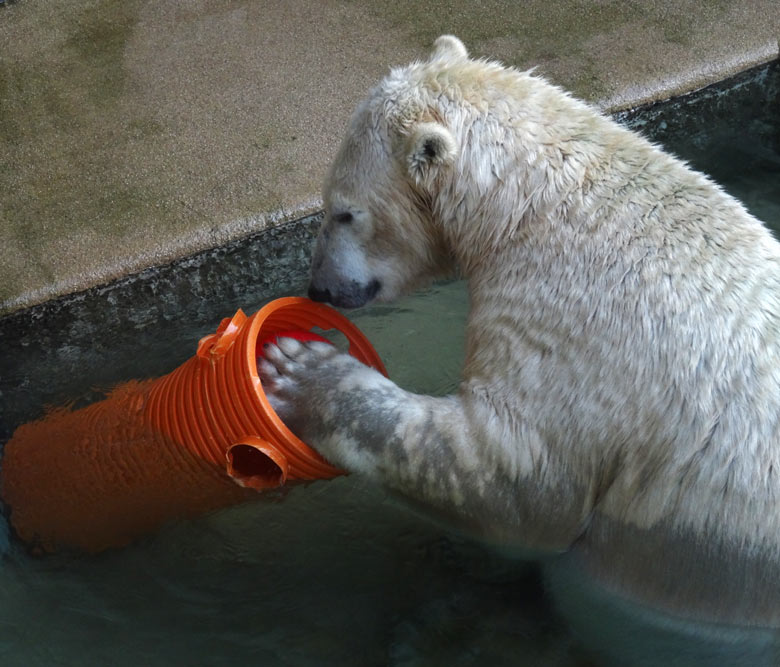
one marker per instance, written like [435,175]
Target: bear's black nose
[319,294]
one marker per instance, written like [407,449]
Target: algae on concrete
[135,131]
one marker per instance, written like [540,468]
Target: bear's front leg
[426,448]
[363,422]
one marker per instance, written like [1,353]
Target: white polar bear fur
[621,392]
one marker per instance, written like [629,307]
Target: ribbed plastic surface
[215,399]
[99,477]
[157,450]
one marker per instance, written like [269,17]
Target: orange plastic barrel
[199,438]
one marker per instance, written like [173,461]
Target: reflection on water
[336,573]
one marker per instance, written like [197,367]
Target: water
[337,573]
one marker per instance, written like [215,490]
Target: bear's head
[380,237]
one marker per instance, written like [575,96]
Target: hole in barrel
[251,467]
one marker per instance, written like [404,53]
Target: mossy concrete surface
[133,132]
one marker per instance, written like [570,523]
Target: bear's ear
[429,147]
[449,47]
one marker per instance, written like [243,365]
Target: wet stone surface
[76,347]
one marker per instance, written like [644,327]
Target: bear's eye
[343,218]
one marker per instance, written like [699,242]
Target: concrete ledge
[136,132]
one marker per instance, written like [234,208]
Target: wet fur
[621,393]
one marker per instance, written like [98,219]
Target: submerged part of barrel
[99,477]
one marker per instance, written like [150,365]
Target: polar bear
[619,411]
